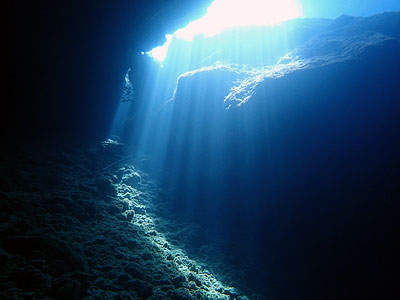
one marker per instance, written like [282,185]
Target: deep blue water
[294,193]
[296,187]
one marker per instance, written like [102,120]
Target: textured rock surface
[304,162]
[76,225]
[319,131]
[342,40]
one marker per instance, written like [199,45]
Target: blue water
[291,187]
[262,161]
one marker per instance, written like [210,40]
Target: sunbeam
[226,14]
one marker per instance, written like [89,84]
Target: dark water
[291,195]
[297,188]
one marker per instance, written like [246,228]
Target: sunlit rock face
[316,44]
[312,139]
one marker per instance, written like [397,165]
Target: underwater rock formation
[346,39]
[312,139]
[278,181]
[75,225]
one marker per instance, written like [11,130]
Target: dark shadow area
[297,187]
[71,58]
[292,195]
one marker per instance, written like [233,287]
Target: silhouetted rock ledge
[82,224]
[346,41]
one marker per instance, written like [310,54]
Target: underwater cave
[237,150]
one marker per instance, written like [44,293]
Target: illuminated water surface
[225,14]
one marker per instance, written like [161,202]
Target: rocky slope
[304,156]
[84,224]
[292,165]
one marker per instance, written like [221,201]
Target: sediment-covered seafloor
[276,174]
[85,224]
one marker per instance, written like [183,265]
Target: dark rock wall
[71,57]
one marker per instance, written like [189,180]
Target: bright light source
[224,14]
[159,53]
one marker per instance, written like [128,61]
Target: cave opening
[240,162]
